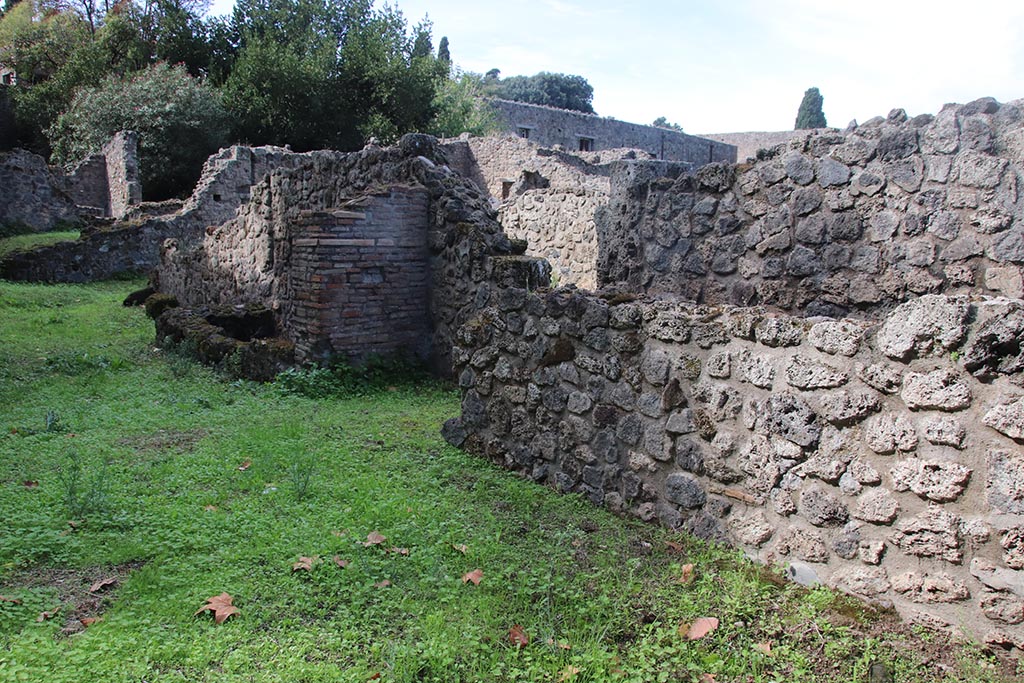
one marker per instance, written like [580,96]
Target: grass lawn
[135,485]
[37,239]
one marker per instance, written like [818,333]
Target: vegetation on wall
[563,91]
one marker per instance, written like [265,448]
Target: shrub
[179,119]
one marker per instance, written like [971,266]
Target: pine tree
[810,114]
[442,51]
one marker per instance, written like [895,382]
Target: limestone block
[941,482]
[805,544]
[752,530]
[889,433]
[776,332]
[758,370]
[1007,418]
[1004,485]
[882,377]
[718,365]
[945,431]
[863,473]
[975,169]
[921,587]
[877,507]
[844,408]
[1002,607]
[997,578]
[806,374]
[932,533]
[943,389]
[840,337]
[928,324]
[866,582]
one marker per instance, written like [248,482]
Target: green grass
[38,239]
[117,459]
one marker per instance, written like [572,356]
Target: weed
[84,492]
[300,474]
[53,423]
[338,377]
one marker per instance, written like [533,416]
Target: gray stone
[806,374]
[975,169]
[791,418]
[962,248]
[806,544]
[834,337]
[920,252]
[1007,248]
[803,262]
[752,530]
[889,433]
[877,507]
[1002,608]
[802,574]
[845,544]
[924,588]
[844,408]
[897,144]
[821,508]
[655,366]
[649,404]
[942,482]
[810,230]
[718,365]
[864,473]
[865,582]
[798,167]
[776,332]
[758,460]
[1004,485]
[1007,418]
[579,402]
[849,485]
[685,491]
[629,429]
[758,370]
[844,227]
[868,183]
[681,422]
[882,377]
[932,533]
[997,578]
[921,326]
[832,173]
[943,389]
[805,200]
[907,174]
[882,226]
[944,224]
[721,401]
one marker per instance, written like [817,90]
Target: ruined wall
[32,196]
[121,154]
[87,185]
[347,248]
[838,223]
[548,127]
[881,459]
[748,144]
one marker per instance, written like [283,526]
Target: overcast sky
[743,65]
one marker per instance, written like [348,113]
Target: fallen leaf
[473,576]
[461,547]
[399,551]
[561,644]
[686,575]
[765,648]
[246,464]
[374,538]
[210,508]
[674,547]
[13,601]
[699,628]
[374,677]
[340,562]
[568,673]
[89,621]
[103,583]
[519,637]
[706,678]
[305,564]
[221,607]
[382,584]
[43,616]
[30,483]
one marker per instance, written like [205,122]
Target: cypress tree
[810,114]
[442,51]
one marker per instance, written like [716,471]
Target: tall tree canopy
[554,90]
[810,114]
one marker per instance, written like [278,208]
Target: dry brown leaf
[461,547]
[246,464]
[686,575]
[399,551]
[765,648]
[519,637]
[305,564]
[221,607]
[210,508]
[707,678]
[699,628]
[340,562]
[103,583]
[569,672]
[560,643]
[374,677]
[473,576]
[674,547]
[30,483]
[89,621]
[374,538]
[13,601]
[382,584]
[43,616]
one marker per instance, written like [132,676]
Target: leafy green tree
[554,90]
[662,122]
[180,122]
[810,114]
[460,108]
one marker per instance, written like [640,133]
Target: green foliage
[443,53]
[662,122]
[553,90]
[460,107]
[179,119]
[83,492]
[340,378]
[810,114]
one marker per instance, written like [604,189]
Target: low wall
[881,459]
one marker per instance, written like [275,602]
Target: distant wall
[748,144]
[548,127]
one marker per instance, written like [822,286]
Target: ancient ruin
[815,355]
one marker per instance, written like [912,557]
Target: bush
[179,119]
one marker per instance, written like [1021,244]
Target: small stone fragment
[870,552]
[863,581]
[753,530]
[1007,418]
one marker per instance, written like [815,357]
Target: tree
[553,90]
[810,114]
[460,108]
[180,122]
[443,55]
[662,122]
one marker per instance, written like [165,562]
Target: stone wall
[748,144]
[32,196]
[121,154]
[883,459]
[834,224]
[549,127]
[87,185]
[338,246]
